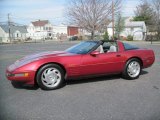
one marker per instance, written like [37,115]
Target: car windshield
[82,48]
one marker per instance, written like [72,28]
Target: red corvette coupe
[50,69]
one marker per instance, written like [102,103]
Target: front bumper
[26,77]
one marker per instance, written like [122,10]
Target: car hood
[47,54]
[30,58]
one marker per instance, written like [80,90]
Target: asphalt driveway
[102,98]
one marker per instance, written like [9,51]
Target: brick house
[72,30]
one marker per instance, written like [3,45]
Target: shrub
[129,38]
[106,36]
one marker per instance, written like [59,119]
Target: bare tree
[144,12]
[91,15]
[149,11]
[156,7]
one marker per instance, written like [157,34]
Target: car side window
[110,47]
[100,49]
[129,47]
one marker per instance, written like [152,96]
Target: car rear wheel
[50,76]
[132,69]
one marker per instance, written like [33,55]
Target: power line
[33,18]
[2,22]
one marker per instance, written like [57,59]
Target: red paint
[72,31]
[78,65]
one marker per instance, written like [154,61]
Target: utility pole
[9,27]
[113,19]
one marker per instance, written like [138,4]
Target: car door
[102,63]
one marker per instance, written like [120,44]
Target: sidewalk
[144,42]
[41,42]
[77,41]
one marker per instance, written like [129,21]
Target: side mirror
[95,53]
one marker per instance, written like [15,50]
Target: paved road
[104,98]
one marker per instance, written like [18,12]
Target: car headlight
[18,75]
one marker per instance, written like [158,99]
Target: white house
[60,31]
[41,29]
[16,33]
[137,29]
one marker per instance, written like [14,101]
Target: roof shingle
[40,22]
[14,28]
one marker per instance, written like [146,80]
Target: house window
[50,34]
[132,29]
[17,35]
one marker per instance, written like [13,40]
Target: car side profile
[88,58]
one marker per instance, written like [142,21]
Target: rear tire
[50,77]
[132,69]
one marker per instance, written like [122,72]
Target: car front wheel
[50,76]
[132,69]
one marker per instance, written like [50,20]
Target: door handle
[118,55]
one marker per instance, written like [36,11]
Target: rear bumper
[148,62]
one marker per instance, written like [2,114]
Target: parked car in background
[73,38]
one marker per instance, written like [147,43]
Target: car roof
[102,41]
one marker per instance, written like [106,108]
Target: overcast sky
[24,11]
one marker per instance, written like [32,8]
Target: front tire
[132,69]
[50,77]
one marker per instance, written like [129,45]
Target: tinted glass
[107,45]
[129,47]
[82,48]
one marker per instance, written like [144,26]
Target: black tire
[126,74]
[41,78]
